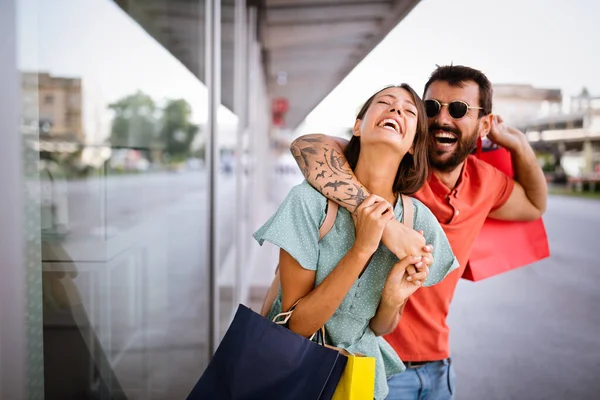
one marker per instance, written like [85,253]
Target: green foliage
[135,122]
[177,132]
[139,123]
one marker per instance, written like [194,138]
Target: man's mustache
[437,127]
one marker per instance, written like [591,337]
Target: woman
[349,281]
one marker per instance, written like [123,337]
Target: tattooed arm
[322,162]
[321,159]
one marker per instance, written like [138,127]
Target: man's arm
[527,201]
[322,162]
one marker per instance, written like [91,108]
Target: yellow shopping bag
[358,380]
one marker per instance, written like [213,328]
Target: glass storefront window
[113,119]
[135,257]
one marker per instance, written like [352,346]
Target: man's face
[452,140]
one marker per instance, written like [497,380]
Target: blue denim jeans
[432,381]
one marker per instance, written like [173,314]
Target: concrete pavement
[534,333]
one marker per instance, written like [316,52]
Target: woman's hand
[398,287]
[371,219]
[400,284]
[402,240]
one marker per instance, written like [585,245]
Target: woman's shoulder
[423,217]
[421,210]
[294,227]
[418,203]
[307,196]
[304,189]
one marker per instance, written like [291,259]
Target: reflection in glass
[114,114]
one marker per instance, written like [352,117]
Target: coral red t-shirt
[422,334]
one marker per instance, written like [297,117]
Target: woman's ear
[356,129]
[411,151]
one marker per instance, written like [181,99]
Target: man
[462,192]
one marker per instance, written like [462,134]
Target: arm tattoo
[331,173]
[321,175]
[337,163]
[303,151]
[358,197]
[335,185]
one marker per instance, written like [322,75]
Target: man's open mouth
[445,138]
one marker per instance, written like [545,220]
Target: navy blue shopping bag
[260,360]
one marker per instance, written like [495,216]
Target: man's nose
[443,118]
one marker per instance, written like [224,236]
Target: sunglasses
[457,109]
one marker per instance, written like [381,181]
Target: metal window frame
[240,109]
[13,338]
[213,83]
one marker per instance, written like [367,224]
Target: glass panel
[113,115]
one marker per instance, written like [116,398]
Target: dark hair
[458,75]
[414,168]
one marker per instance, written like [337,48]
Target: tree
[177,131]
[135,122]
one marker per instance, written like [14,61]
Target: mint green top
[295,228]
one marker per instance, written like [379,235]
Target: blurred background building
[565,130]
[58,104]
[519,104]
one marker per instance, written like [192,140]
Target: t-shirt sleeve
[501,183]
[295,226]
[444,260]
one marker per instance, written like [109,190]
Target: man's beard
[464,147]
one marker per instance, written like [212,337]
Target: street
[532,333]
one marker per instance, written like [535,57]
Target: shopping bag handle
[320,333]
[286,317]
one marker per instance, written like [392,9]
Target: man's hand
[400,285]
[504,136]
[527,202]
[426,262]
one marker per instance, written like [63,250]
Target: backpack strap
[408,209]
[332,208]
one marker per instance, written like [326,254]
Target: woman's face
[391,119]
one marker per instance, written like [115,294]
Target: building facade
[519,104]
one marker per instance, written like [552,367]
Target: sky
[549,44]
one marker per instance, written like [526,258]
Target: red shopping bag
[505,245]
